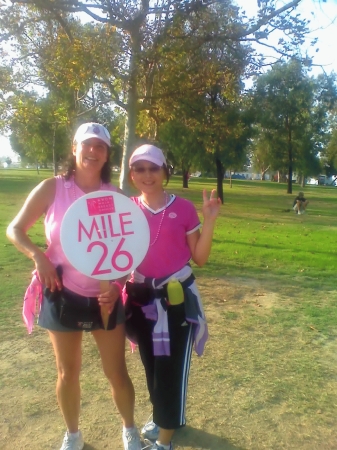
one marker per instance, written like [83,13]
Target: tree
[261,153]
[141,27]
[8,161]
[39,131]
[325,122]
[183,146]
[293,111]
[283,99]
[330,156]
[227,130]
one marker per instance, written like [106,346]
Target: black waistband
[141,294]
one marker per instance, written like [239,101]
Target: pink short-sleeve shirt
[169,227]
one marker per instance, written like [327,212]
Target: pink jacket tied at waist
[32,302]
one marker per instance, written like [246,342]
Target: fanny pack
[141,294]
[75,311]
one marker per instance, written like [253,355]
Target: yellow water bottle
[175,292]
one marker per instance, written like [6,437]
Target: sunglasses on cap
[152,169]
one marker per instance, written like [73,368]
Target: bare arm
[200,243]
[36,204]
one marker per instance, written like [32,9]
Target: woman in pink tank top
[65,292]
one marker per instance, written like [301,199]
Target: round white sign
[105,235]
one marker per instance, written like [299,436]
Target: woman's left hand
[109,298]
[211,206]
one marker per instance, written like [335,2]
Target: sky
[323,18]
[323,23]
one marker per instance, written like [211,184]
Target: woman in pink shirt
[61,284]
[163,305]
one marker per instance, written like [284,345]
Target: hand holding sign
[105,236]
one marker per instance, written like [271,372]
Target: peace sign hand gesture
[211,206]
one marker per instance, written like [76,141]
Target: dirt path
[30,418]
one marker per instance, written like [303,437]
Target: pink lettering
[124,222]
[112,234]
[104,227]
[97,270]
[94,227]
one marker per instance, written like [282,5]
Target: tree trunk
[220,172]
[290,164]
[263,173]
[131,116]
[185,178]
[54,157]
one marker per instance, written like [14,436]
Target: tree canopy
[140,59]
[292,110]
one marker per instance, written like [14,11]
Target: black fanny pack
[75,311]
[141,294]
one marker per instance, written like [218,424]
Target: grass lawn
[268,379]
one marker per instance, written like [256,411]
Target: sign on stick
[105,235]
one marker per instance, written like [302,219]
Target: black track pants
[167,376]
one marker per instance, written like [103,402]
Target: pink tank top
[66,193]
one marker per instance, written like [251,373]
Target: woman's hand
[211,206]
[109,298]
[46,272]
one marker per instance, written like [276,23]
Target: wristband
[120,288]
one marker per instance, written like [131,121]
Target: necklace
[74,190]
[161,221]
[75,196]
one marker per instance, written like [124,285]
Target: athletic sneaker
[160,447]
[72,443]
[150,431]
[131,439]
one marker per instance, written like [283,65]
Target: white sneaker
[72,443]
[150,431]
[160,447]
[131,439]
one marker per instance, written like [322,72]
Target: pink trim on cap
[149,153]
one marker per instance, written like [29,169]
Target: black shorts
[49,316]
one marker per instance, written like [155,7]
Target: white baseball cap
[149,153]
[92,130]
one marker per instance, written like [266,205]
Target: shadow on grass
[195,438]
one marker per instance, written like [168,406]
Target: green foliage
[144,57]
[39,130]
[185,149]
[292,111]
[331,154]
